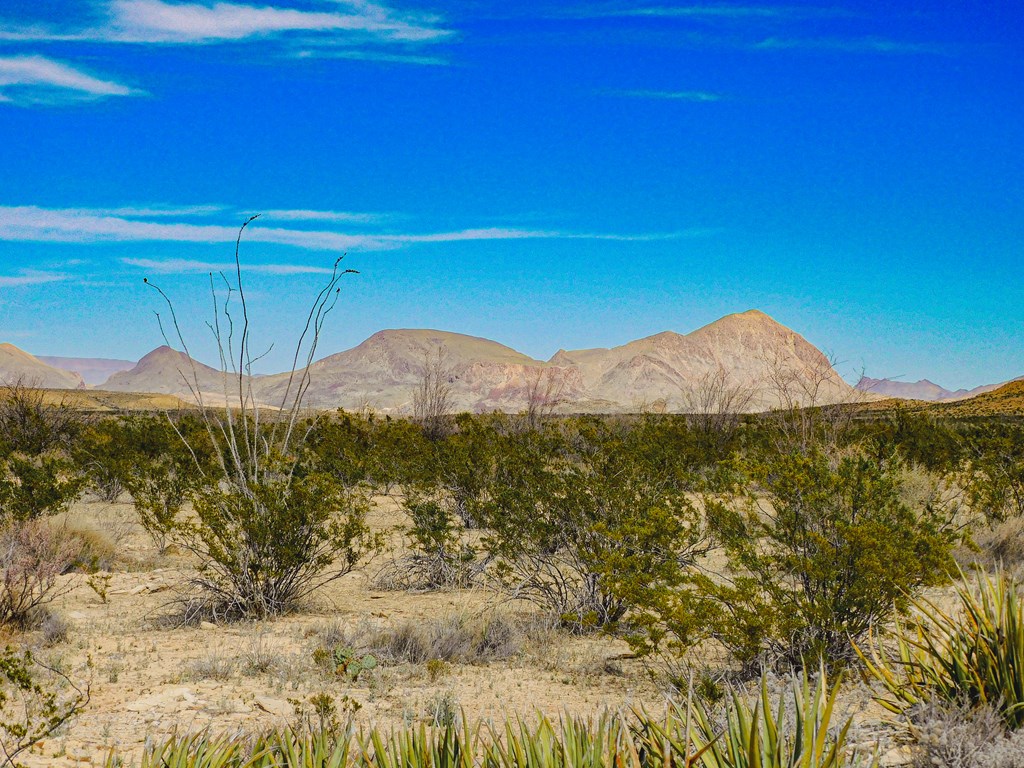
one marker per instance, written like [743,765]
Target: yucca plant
[972,656]
[574,743]
[763,736]
[199,750]
[423,747]
[295,749]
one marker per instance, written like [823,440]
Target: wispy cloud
[38,80]
[178,266]
[156,21]
[694,96]
[368,55]
[711,11]
[31,277]
[848,45]
[308,215]
[153,211]
[75,225]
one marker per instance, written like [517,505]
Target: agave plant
[974,656]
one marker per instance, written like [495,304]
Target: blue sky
[546,174]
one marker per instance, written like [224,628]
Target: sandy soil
[149,679]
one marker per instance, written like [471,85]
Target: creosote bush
[822,548]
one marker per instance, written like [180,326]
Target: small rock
[277,707]
[207,625]
[897,756]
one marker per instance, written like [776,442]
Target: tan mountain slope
[384,370]
[167,371]
[751,351]
[748,353]
[18,365]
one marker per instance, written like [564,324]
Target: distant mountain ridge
[924,389]
[93,370]
[761,362]
[16,366]
[750,352]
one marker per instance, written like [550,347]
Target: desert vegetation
[721,558]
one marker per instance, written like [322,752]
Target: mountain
[384,370]
[18,365]
[761,361]
[748,359]
[94,370]
[924,389]
[1004,400]
[908,390]
[167,371]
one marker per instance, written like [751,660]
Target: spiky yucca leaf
[421,747]
[972,656]
[763,736]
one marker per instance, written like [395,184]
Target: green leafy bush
[265,545]
[821,547]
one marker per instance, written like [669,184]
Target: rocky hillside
[749,359]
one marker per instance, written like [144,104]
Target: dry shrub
[33,555]
[950,736]
[1000,545]
[54,629]
[453,638]
[96,550]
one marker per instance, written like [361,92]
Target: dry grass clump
[215,665]
[1001,545]
[457,638]
[95,549]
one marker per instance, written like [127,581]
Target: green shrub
[822,548]
[31,704]
[265,544]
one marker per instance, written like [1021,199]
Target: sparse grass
[215,665]
[454,639]
[259,658]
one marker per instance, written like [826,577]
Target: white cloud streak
[31,277]
[848,45]
[73,225]
[37,80]
[153,211]
[716,11]
[308,215]
[178,266]
[373,56]
[694,96]
[156,21]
